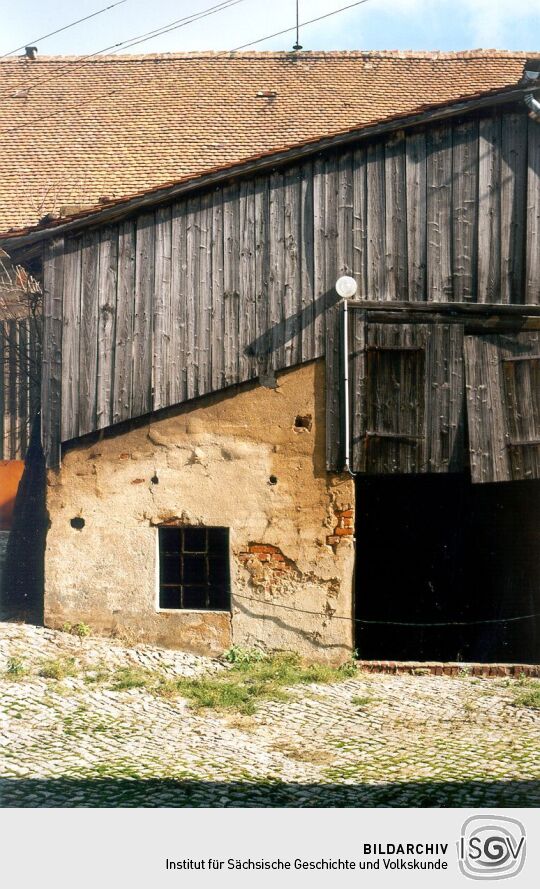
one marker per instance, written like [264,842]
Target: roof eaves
[128,204]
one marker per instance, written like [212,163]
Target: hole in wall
[304,421]
[154,480]
[78,523]
[272,480]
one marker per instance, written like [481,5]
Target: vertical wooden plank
[191,354]
[141,389]
[6,419]
[36,331]
[204,298]
[438,210]
[292,296]
[51,389]
[532,233]
[358,368]
[444,396]
[88,341]
[276,284]
[161,361]
[218,317]
[319,255]
[376,247]
[125,306]
[247,294]
[334,432]
[108,280]
[488,454]
[331,232]
[70,338]
[3,365]
[395,216]
[261,345]
[489,209]
[179,304]
[464,210]
[415,171]
[513,198]
[23,389]
[231,280]
[520,374]
[13,390]
[345,215]
[307,267]
[360,222]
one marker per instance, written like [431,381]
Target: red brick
[341,532]
[346,513]
[263,548]
[332,540]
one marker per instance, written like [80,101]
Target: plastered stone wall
[240,460]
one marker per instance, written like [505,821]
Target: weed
[237,655]
[134,677]
[528,697]
[60,668]
[15,668]
[249,682]
[81,630]
[361,700]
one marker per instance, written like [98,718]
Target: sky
[376,24]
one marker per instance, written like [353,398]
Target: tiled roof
[74,130]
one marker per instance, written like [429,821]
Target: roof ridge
[288,54]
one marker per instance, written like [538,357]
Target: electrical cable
[64,28]
[392,623]
[126,44]
[301,25]
[132,41]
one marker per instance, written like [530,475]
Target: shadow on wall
[134,792]
[21,589]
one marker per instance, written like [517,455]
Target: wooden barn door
[503,406]
[406,397]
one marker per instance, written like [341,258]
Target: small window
[194,568]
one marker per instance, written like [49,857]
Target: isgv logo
[491,847]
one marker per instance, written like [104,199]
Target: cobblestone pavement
[372,740]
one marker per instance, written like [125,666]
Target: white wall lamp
[346,288]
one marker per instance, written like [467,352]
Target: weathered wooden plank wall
[232,283]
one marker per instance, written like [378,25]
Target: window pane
[195,597]
[169,597]
[170,569]
[194,569]
[194,540]
[169,540]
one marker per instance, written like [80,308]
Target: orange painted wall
[10,476]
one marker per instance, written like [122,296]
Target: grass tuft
[60,668]
[528,696]
[15,668]
[361,700]
[251,681]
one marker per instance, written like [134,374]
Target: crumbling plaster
[236,460]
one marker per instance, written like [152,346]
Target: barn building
[236,454]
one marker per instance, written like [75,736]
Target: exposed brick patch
[450,669]
[266,553]
[344,526]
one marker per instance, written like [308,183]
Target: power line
[129,42]
[298,26]
[390,623]
[64,28]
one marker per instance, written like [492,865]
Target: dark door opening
[436,549]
